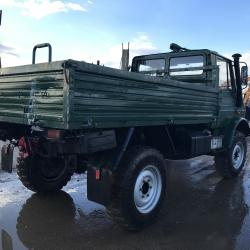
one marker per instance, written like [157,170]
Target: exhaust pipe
[239,101]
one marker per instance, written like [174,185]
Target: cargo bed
[75,95]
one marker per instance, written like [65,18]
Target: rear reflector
[97,174]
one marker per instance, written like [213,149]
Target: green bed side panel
[104,97]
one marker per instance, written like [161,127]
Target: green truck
[119,125]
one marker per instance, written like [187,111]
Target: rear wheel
[230,163]
[41,174]
[140,188]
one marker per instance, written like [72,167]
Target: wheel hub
[145,187]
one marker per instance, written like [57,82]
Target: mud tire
[30,173]
[123,209]
[224,164]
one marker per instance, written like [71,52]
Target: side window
[224,74]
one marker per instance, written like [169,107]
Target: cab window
[152,66]
[224,74]
[186,65]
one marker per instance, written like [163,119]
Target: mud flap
[7,157]
[99,185]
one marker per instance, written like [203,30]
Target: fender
[230,126]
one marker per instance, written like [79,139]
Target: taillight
[23,149]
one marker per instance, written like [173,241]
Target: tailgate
[33,94]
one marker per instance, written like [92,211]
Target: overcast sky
[94,29]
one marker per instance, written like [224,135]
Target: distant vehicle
[70,116]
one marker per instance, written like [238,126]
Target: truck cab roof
[179,54]
[180,63]
[175,48]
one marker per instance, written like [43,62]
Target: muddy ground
[202,211]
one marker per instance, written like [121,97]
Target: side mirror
[244,75]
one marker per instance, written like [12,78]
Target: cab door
[227,101]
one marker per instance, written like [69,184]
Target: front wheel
[140,188]
[230,163]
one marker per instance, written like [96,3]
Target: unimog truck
[71,116]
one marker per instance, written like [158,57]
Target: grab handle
[39,46]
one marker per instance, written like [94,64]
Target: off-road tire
[30,174]
[123,209]
[224,160]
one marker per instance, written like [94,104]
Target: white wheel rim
[147,190]
[238,155]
